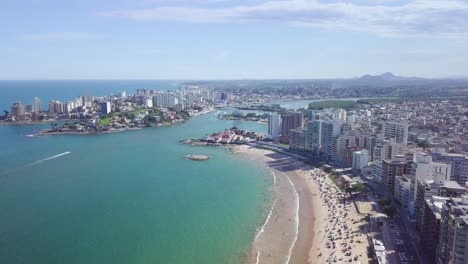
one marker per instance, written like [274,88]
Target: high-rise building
[52,107]
[314,135]
[69,106]
[391,169]
[431,226]
[387,149]
[148,102]
[274,126]
[298,139]
[431,188]
[424,169]
[403,194]
[396,130]
[314,114]
[105,108]
[56,107]
[87,100]
[376,172]
[452,247]
[165,99]
[290,121]
[458,162]
[341,115]
[360,159]
[354,142]
[17,109]
[36,105]
[329,132]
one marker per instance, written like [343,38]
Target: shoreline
[26,123]
[285,236]
[303,215]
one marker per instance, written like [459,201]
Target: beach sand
[303,214]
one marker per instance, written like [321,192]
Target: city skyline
[259,39]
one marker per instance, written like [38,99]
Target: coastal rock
[197,157]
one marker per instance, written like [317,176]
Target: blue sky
[223,39]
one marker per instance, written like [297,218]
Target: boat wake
[50,158]
[35,163]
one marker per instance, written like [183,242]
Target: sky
[226,39]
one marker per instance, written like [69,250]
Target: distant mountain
[388,76]
[384,79]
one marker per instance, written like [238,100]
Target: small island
[233,135]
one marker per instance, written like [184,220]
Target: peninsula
[88,115]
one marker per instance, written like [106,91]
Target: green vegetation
[240,115]
[357,187]
[337,180]
[184,114]
[266,108]
[424,144]
[150,121]
[380,100]
[388,207]
[105,121]
[345,104]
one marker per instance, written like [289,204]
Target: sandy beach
[308,221]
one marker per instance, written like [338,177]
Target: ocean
[129,197]
[25,91]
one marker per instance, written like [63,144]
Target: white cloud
[446,18]
[59,36]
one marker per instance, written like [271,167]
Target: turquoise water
[127,198]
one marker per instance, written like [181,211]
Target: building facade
[298,139]
[18,110]
[458,162]
[36,105]
[452,246]
[105,108]
[391,169]
[274,126]
[360,159]
[290,121]
[396,130]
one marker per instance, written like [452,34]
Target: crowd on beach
[341,238]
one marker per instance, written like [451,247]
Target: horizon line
[229,79]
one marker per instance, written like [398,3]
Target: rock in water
[197,157]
